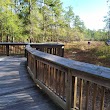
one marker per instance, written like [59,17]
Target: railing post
[7,50]
[25,52]
[68,90]
[62,51]
[28,58]
[35,67]
[71,91]
[74,91]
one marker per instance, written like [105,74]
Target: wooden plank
[51,94]
[19,48]
[18,91]
[94,97]
[59,83]
[54,82]
[55,70]
[68,90]
[49,76]
[88,70]
[45,73]
[76,69]
[63,87]
[7,50]
[74,84]
[80,97]
[35,67]
[87,95]
[102,98]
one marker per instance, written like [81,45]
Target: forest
[43,21]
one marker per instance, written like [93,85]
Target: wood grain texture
[9,48]
[83,70]
[18,91]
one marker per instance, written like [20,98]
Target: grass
[96,53]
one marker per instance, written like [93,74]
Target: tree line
[43,21]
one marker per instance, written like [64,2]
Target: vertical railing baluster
[38,75]
[57,81]
[81,92]
[102,98]
[60,83]
[94,97]
[49,76]
[35,66]
[7,50]
[69,90]
[54,79]
[74,92]
[63,95]
[87,95]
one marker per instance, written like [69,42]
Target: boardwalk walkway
[17,90]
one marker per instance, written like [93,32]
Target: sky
[91,12]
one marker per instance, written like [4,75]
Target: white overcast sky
[92,12]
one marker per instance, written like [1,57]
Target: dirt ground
[93,52]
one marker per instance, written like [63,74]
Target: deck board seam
[11,92]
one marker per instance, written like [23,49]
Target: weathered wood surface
[17,90]
[86,68]
[81,80]
[9,48]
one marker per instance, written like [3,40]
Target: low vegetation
[95,53]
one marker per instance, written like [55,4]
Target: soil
[86,54]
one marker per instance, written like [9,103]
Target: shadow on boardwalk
[17,90]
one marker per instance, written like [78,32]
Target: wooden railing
[52,48]
[71,84]
[12,48]
[19,48]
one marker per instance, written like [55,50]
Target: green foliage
[43,21]
[103,51]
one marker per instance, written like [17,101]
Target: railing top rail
[12,43]
[90,69]
[46,44]
[39,44]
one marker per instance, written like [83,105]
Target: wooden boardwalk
[17,90]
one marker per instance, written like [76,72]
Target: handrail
[71,84]
[9,48]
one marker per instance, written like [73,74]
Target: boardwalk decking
[17,90]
